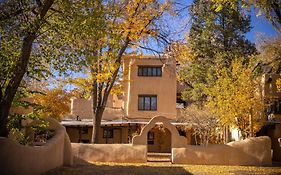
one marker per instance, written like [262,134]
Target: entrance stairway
[159,157]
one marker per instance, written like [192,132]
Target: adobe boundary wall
[120,153]
[254,151]
[29,160]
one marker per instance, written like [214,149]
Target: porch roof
[89,122]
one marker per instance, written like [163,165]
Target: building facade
[149,89]
[272,101]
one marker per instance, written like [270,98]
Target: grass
[97,168]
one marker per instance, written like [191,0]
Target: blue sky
[179,26]
[261,26]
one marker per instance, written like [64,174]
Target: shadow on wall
[253,151]
[89,169]
[20,159]
[109,153]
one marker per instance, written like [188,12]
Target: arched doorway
[176,141]
[159,139]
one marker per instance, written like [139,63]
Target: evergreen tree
[215,40]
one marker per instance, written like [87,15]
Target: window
[107,133]
[150,71]
[182,133]
[84,130]
[147,102]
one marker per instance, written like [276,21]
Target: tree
[20,25]
[123,25]
[269,59]
[271,9]
[35,39]
[82,87]
[53,103]
[214,40]
[236,98]
[203,123]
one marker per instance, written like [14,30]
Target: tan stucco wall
[83,108]
[164,87]
[252,151]
[122,153]
[20,159]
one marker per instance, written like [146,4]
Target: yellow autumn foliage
[278,85]
[53,103]
[236,99]
[181,52]
[138,14]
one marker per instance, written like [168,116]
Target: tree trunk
[96,124]
[12,87]
[100,97]
[19,70]
[4,112]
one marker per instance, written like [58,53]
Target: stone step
[159,157]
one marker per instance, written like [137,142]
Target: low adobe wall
[29,160]
[253,151]
[121,153]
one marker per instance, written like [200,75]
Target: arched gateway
[177,141]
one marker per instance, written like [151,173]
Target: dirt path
[162,169]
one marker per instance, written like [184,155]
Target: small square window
[84,130]
[150,71]
[147,102]
[107,133]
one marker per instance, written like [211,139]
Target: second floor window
[150,71]
[147,102]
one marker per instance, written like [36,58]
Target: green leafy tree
[270,8]
[20,25]
[214,40]
[36,39]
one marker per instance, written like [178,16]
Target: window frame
[143,107]
[106,130]
[149,71]
[84,130]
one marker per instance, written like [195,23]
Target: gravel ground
[97,168]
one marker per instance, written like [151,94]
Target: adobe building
[272,101]
[150,89]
